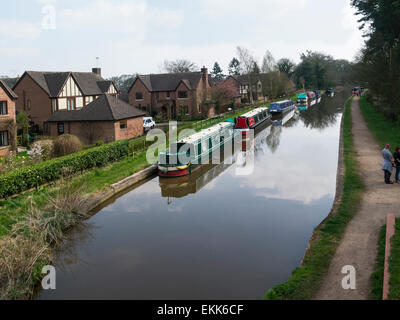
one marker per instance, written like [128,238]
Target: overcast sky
[131,36]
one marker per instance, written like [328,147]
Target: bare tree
[179,66]
[269,63]
[247,61]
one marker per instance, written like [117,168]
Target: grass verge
[383,129]
[377,275]
[394,264]
[307,279]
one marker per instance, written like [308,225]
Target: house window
[182,94]
[184,110]
[60,128]
[168,95]
[123,125]
[3,108]
[71,105]
[3,138]
[28,104]
[139,95]
[157,96]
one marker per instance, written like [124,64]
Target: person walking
[396,157]
[388,164]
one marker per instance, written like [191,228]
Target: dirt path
[359,245]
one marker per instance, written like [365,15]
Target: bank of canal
[217,235]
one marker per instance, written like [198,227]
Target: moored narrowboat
[302,99]
[312,98]
[282,106]
[188,154]
[252,120]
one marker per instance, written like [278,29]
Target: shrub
[66,144]
[41,150]
[99,143]
[29,177]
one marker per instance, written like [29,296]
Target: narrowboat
[311,98]
[252,120]
[330,92]
[302,99]
[282,106]
[188,154]
[318,96]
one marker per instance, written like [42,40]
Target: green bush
[48,171]
[66,144]
[99,144]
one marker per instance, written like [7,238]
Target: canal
[216,235]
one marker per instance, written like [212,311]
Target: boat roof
[206,132]
[254,112]
[280,102]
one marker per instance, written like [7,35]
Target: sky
[136,36]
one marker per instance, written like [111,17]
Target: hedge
[29,177]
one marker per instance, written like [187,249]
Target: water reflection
[214,234]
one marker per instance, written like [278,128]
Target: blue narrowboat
[282,106]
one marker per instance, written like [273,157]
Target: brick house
[43,93]
[173,95]
[238,85]
[8,128]
[105,119]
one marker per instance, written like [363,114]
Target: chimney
[97,71]
[204,70]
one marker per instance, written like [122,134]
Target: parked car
[148,123]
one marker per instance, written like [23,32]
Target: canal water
[216,234]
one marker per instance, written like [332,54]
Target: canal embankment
[307,280]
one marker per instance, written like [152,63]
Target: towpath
[358,247]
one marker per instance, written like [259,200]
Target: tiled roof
[8,90]
[170,81]
[105,108]
[52,82]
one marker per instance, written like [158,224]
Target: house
[43,93]
[106,119]
[173,95]
[231,87]
[8,128]
[238,85]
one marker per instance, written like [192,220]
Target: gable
[70,88]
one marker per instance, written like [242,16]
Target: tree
[256,68]
[247,62]
[23,122]
[217,71]
[287,66]
[179,66]
[124,82]
[269,63]
[378,64]
[234,67]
